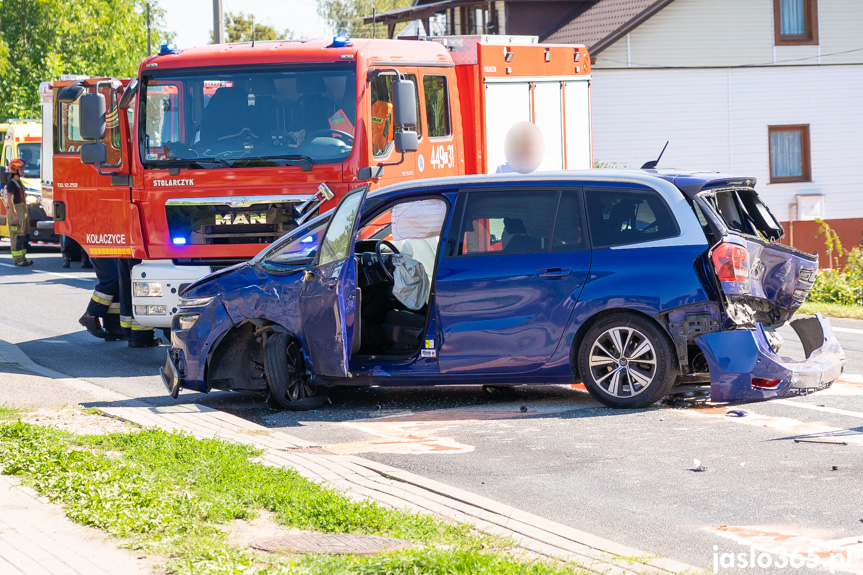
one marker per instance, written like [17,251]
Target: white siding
[734,32]
[717,119]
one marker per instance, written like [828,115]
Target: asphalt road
[622,475]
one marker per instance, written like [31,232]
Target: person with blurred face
[524,148]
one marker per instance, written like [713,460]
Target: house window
[789,154]
[795,22]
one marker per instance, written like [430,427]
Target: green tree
[239,27]
[347,15]
[42,39]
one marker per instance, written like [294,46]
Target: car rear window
[743,211]
[622,217]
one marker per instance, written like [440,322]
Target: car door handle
[332,283]
[553,273]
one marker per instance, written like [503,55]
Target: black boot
[113,331]
[66,262]
[143,338]
[85,262]
[91,323]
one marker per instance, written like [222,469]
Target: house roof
[595,23]
[604,23]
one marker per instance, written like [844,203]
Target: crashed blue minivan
[631,282]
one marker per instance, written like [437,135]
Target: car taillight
[763,383]
[731,262]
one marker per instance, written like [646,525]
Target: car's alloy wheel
[626,361]
[623,362]
[288,383]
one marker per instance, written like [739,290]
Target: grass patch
[832,310]
[7,412]
[166,492]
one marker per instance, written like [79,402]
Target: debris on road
[823,441]
[697,467]
[736,413]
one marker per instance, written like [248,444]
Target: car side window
[499,222]
[302,243]
[337,241]
[622,217]
[568,226]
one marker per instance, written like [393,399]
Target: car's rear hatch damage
[762,280]
[761,284]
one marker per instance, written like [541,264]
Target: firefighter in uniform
[102,318]
[16,214]
[138,335]
[382,125]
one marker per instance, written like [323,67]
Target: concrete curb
[362,479]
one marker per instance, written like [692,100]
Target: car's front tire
[626,361]
[287,380]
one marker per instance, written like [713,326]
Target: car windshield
[298,115]
[32,155]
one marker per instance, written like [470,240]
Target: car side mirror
[91,110]
[406,141]
[94,153]
[404,103]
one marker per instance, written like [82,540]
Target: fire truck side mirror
[404,103]
[92,116]
[94,153]
[406,141]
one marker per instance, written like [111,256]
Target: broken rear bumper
[737,357]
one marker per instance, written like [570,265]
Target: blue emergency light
[340,41]
[178,241]
[168,48]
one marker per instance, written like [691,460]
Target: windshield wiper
[307,161]
[189,161]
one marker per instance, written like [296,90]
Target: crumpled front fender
[736,357]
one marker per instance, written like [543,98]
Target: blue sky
[192,20]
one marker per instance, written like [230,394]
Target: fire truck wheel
[287,380]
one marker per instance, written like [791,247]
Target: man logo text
[240,218]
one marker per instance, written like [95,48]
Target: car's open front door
[328,304]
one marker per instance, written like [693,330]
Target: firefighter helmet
[16,165]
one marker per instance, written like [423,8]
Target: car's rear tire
[626,361]
[287,380]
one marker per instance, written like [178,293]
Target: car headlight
[186,321]
[32,199]
[148,289]
[195,302]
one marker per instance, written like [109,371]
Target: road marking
[59,275]
[856,414]
[848,330]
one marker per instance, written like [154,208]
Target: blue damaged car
[629,281]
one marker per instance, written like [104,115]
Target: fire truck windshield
[296,115]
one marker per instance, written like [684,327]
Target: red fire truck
[211,153]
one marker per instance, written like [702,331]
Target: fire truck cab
[213,152]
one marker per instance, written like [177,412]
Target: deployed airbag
[411,283]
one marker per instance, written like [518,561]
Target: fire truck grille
[221,224]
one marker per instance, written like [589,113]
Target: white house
[765,88]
